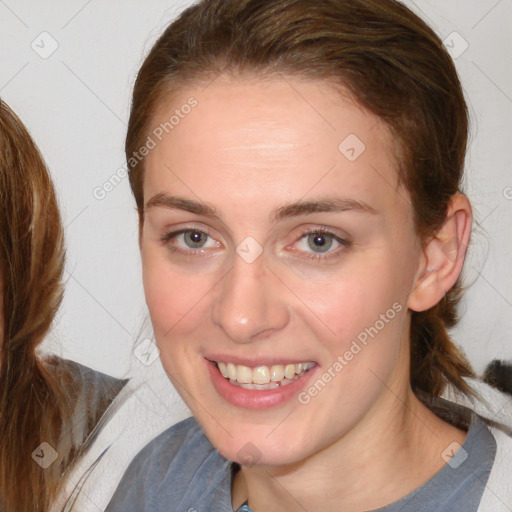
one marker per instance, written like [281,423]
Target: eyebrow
[180,203]
[321,205]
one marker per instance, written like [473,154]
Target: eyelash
[344,244]
[191,253]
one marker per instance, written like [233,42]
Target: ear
[443,256]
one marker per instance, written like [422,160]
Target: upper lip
[255,362]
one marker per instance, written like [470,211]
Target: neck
[393,450]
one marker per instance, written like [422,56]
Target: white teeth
[223,369]
[263,377]
[243,374]
[231,371]
[289,371]
[270,385]
[277,373]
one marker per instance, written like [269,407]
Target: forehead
[275,140]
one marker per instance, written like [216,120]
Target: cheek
[353,300]
[175,299]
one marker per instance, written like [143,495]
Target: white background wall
[75,102]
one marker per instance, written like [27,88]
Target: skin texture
[249,148]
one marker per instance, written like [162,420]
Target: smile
[263,377]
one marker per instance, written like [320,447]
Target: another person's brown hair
[387,59]
[33,403]
[42,399]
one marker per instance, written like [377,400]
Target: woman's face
[278,248]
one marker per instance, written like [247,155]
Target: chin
[257,445]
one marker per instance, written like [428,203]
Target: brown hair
[38,398]
[33,404]
[388,59]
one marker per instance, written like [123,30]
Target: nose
[251,302]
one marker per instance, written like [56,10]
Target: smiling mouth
[263,377]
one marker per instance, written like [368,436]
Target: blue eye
[194,239]
[189,241]
[320,242]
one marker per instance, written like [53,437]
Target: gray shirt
[180,471]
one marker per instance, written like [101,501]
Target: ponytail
[435,359]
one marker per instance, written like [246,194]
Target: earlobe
[443,256]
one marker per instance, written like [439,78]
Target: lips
[263,377]
[259,396]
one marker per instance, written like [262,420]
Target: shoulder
[183,446]
[170,444]
[497,496]
[88,391]
[179,465]
[81,375]
[494,407]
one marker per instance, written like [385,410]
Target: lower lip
[254,399]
